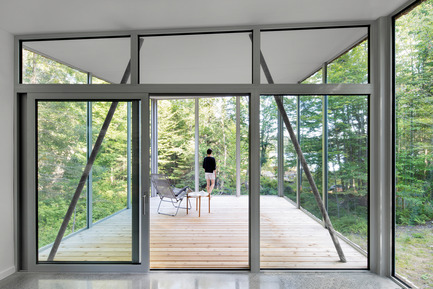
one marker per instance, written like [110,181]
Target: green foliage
[414,106]
[414,143]
[38,69]
[347,146]
[217,130]
[62,150]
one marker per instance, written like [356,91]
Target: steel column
[254,161]
[325,139]
[280,155]
[381,149]
[238,146]
[196,139]
[298,161]
[154,141]
[135,178]
[128,154]
[89,141]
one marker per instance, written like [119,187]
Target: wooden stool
[197,195]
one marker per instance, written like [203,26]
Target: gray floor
[190,280]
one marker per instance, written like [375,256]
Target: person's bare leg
[207,185]
[211,186]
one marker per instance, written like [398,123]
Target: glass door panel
[213,232]
[86,152]
[291,227]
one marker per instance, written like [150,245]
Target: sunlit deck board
[289,238]
[109,240]
[215,240]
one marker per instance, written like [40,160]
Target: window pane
[293,55]
[69,61]
[311,128]
[290,156]
[414,145]
[348,166]
[351,67]
[38,69]
[176,148]
[214,231]
[201,58]
[100,227]
[296,238]
[268,146]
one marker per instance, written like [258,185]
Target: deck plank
[289,238]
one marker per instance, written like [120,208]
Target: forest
[62,136]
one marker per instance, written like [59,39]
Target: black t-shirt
[209,164]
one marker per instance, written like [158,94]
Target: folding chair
[169,194]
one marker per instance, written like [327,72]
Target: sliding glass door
[86,194]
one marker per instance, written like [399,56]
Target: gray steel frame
[30,233]
[380,136]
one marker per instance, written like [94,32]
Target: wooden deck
[289,238]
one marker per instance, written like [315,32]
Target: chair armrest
[177,191]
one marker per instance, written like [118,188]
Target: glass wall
[311,129]
[348,166]
[293,55]
[71,61]
[290,158]
[413,145]
[282,224]
[196,58]
[218,238]
[176,146]
[101,220]
[217,118]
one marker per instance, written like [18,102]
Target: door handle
[143,203]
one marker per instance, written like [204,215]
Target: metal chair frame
[164,190]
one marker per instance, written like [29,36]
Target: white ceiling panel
[54,16]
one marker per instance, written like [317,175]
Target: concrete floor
[197,280]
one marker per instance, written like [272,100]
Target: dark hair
[209,151]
